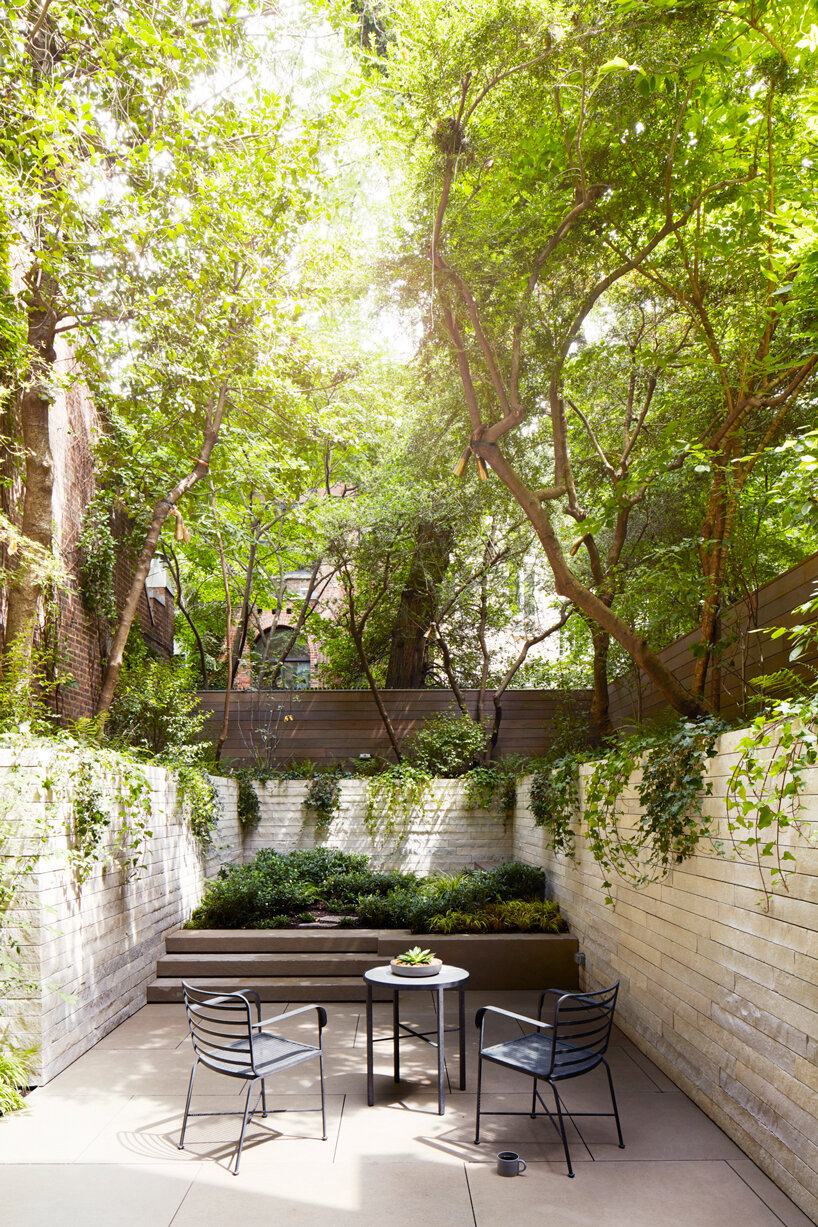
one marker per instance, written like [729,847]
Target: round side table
[447,977]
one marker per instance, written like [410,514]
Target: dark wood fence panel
[748,652]
[280,726]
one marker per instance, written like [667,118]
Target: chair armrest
[494,1009]
[302,1009]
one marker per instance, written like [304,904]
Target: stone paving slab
[97,1145]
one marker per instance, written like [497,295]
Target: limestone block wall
[719,992]
[92,950]
[441,835]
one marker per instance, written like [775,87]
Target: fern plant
[15,1075]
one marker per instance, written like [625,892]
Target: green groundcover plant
[276,889]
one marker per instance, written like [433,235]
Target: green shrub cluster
[525,915]
[448,744]
[277,890]
[467,893]
[15,1072]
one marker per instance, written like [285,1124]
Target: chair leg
[534,1101]
[613,1101]
[181,1143]
[263,1099]
[562,1131]
[243,1127]
[323,1096]
[479,1084]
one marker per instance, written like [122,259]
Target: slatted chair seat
[572,1045]
[227,1039]
[534,1054]
[271,1054]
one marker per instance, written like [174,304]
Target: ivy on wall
[763,797]
[765,787]
[393,798]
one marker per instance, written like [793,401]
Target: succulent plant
[415,957]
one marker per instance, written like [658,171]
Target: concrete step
[328,965]
[302,963]
[192,941]
[319,989]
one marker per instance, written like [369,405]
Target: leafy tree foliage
[560,159]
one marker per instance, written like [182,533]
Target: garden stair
[322,964]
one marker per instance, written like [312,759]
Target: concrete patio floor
[97,1146]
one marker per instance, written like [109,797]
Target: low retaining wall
[442,834]
[498,960]
[720,994]
[92,950]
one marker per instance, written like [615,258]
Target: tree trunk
[173,562]
[376,695]
[228,638]
[715,533]
[408,650]
[26,591]
[601,726]
[161,511]
[567,585]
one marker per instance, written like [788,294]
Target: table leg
[370,1050]
[441,1058]
[396,1033]
[462,1027]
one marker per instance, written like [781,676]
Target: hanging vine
[198,800]
[393,798]
[91,785]
[671,795]
[493,786]
[323,799]
[554,801]
[764,788]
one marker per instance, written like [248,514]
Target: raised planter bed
[328,965]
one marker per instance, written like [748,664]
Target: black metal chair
[227,1040]
[570,1046]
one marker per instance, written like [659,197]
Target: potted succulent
[416,962]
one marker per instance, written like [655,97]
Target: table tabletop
[447,977]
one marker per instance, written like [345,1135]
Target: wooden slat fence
[332,725]
[748,651]
[281,726]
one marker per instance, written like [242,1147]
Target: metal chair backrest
[221,1027]
[582,1030]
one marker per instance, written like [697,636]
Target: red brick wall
[73,427]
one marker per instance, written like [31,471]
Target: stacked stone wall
[441,834]
[719,992]
[716,988]
[92,949]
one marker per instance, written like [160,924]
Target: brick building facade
[80,636]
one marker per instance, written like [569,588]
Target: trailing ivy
[671,795]
[248,804]
[323,799]
[494,786]
[98,548]
[199,801]
[392,799]
[554,801]
[763,795]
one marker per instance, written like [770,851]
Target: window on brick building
[295,666]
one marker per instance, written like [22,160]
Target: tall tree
[86,102]
[554,154]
